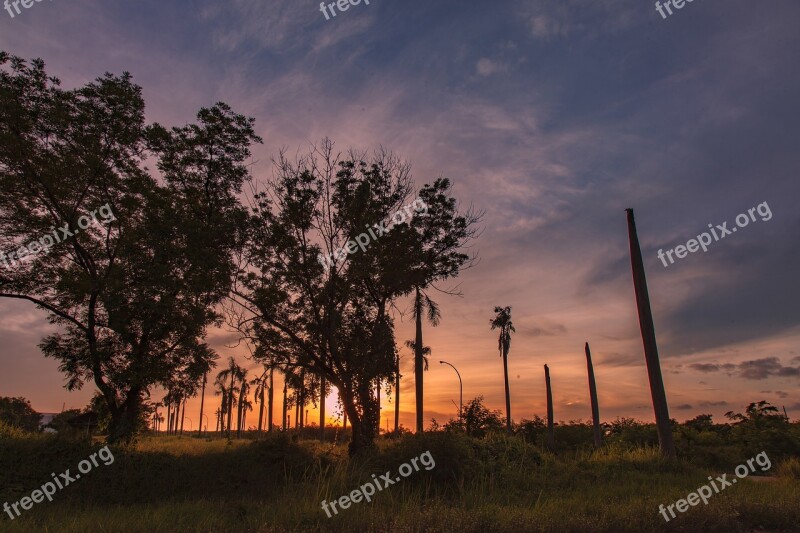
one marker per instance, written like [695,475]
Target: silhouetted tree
[17,412]
[134,293]
[502,321]
[335,321]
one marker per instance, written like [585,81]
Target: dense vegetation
[494,483]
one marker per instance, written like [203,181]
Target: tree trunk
[378,418]
[296,409]
[551,437]
[363,425]
[183,414]
[283,422]
[240,405]
[418,361]
[169,417]
[508,392]
[125,419]
[397,397]
[260,409]
[202,401]
[598,440]
[322,387]
[230,404]
[270,397]
[657,391]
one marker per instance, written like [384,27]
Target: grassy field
[275,484]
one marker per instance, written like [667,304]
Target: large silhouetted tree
[133,292]
[334,319]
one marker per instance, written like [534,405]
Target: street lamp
[461,394]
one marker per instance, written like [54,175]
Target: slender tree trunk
[657,391]
[169,417]
[345,422]
[378,396]
[202,400]
[260,409]
[508,392]
[551,437]
[183,414]
[230,405]
[284,402]
[239,408]
[397,397]
[418,361]
[598,439]
[270,397]
[296,409]
[322,387]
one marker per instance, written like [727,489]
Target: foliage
[18,413]
[133,293]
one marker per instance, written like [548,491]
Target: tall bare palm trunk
[508,392]
[418,361]
[657,391]
[230,404]
[322,386]
[260,408]
[397,396]
[202,400]
[551,437]
[598,439]
[285,390]
[270,397]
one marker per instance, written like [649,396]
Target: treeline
[184,248]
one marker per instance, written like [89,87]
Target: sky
[551,117]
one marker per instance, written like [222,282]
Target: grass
[496,484]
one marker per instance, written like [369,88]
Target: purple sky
[553,117]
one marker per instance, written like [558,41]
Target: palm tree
[233,372]
[422,302]
[261,384]
[502,321]
[220,390]
[244,389]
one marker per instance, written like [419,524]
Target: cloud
[763,368]
[711,367]
[719,403]
[549,20]
[755,369]
[683,407]
[487,67]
